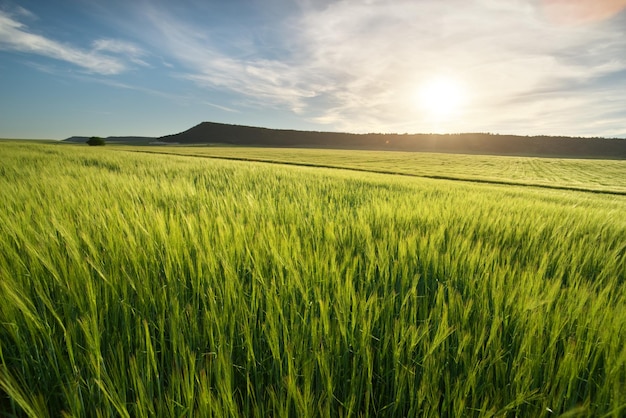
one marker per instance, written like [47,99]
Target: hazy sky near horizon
[157,67]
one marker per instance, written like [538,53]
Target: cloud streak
[16,36]
[129,50]
[355,65]
[267,82]
[373,54]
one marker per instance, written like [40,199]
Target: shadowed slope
[470,143]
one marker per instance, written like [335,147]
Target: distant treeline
[470,143]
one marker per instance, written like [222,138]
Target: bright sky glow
[441,97]
[156,67]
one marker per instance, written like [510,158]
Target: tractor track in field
[390,172]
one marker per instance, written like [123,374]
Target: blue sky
[152,68]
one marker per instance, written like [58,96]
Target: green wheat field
[142,285]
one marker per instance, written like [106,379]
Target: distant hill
[465,143]
[77,139]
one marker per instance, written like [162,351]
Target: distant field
[595,175]
[140,285]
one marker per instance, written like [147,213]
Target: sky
[159,67]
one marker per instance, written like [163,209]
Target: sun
[440,97]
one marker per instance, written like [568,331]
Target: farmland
[135,284]
[576,174]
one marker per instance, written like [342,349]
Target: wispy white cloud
[16,36]
[22,12]
[213,66]
[355,65]
[373,54]
[126,49]
[220,107]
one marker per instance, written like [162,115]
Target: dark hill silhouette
[127,140]
[465,143]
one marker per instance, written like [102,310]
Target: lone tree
[95,140]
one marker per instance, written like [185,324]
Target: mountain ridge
[214,133]
[462,143]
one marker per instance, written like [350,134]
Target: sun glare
[440,97]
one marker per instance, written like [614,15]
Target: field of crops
[140,285]
[594,175]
